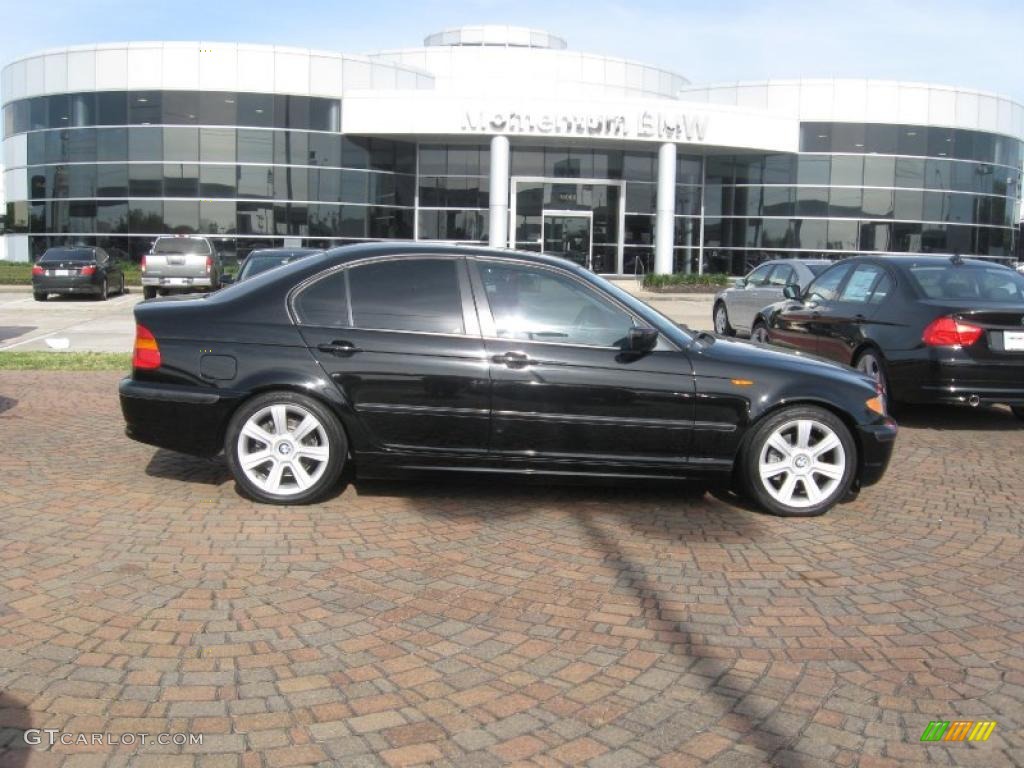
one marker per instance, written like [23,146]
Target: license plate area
[1013,341]
[61,272]
[175,281]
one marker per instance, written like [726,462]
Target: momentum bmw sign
[646,125]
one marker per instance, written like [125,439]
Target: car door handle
[514,359]
[339,348]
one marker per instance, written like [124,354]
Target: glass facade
[117,169]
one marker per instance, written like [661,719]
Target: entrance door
[568,235]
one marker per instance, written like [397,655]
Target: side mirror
[792,291]
[226,280]
[642,339]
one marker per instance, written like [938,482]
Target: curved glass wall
[864,188]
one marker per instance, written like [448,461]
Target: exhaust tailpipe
[974,401]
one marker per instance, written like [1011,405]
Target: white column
[498,227]
[665,221]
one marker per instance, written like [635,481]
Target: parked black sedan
[930,329]
[77,269]
[406,358]
[267,258]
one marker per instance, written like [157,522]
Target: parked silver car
[735,308]
[180,263]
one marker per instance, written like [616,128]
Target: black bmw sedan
[410,358]
[77,269]
[929,329]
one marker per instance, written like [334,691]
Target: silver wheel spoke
[273,481]
[302,477]
[308,425]
[831,471]
[803,434]
[778,442]
[280,419]
[256,432]
[774,468]
[787,489]
[825,445]
[814,494]
[255,459]
[315,452]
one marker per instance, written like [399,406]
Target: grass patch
[707,280]
[65,361]
[20,273]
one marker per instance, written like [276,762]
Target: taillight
[142,264]
[37,270]
[146,354]
[950,332]
[209,264]
[89,270]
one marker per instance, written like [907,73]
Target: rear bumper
[177,283]
[65,285]
[876,446]
[950,376]
[176,417]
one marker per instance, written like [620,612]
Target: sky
[976,44]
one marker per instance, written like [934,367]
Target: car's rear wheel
[104,291]
[148,292]
[40,296]
[285,448]
[721,317]
[759,333]
[799,462]
[871,362]
[121,291]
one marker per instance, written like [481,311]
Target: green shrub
[707,280]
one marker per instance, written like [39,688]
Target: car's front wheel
[721,317]
[285,448]
[799,462]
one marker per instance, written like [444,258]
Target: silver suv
[181,263]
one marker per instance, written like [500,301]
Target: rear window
[256,264]
[181,245]
[976,283]
[66,254]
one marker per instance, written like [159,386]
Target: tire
[759,333]
[1018,411]
[40,296]
[787,483]
[104,293]
[122,291]
[318,454]
[872,362]
[148,292]
[720,316]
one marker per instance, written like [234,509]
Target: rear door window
[407,295]
[324,303]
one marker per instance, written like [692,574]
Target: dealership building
[502,136]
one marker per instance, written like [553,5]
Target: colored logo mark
[958,730]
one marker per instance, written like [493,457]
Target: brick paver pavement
[488,624]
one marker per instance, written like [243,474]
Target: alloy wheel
[802,463]
[760,334]
[721,320]
[283,449]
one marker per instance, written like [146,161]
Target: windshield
[181,245]
[975,283]
[66,254]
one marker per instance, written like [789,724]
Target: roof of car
[923,259]
[283,251]
[363,250]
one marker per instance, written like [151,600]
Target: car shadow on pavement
[958,417]
[7,403]
[14,331]
[15,720]
[192,469]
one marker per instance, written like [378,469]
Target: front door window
[568,236]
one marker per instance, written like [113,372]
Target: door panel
[417,378]
[562,387]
